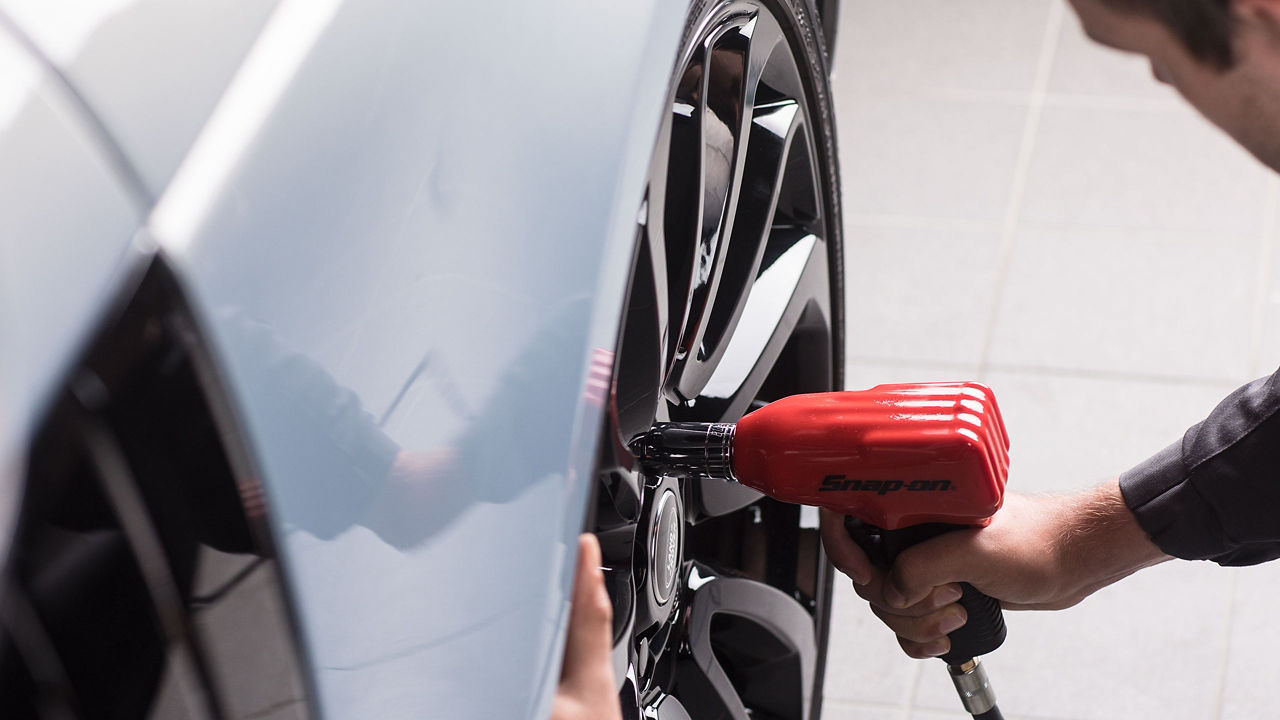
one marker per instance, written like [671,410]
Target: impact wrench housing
[903,463]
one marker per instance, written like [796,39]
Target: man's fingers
[925,628]
[924,651]
[931,564]
[842,551]
[938,598]
[586,653]
[587,688]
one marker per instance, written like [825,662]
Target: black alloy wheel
[721,596]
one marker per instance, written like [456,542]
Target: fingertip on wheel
[590,589]
[589,550]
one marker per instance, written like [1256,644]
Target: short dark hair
[1205,27]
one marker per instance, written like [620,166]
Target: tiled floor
[1031,210]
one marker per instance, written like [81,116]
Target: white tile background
[1028,209]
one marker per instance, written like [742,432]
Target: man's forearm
[1101,540]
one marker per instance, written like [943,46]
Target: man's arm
[1215,495]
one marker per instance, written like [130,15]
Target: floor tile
[843,711]
[246,638]
[927,157]
[1147,647]
[1068,433]
[1129,301]
[862,374]
[864,662]
[920,294]
[1252,675]
[1268,357]
[1132,168]
[977,45]
[1083,67]
[933,715]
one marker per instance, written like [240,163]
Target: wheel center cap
[664,547]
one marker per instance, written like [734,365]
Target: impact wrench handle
[983,632]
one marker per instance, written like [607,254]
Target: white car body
[377,183]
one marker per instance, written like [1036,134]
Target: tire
[721,596]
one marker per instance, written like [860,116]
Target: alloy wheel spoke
[767,121]
[656,247]
[792,293]
[654,240]
[727,101]
[774,128]
[772,638]
[641,356]
[669,708]
[682,179]
[789,302]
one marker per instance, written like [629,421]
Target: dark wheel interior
[142,580]
[721,595]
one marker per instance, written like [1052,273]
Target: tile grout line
[912,222]
[1076,101]
[868,220]
[1269,207]
[1050,370]
[1220,691]
[845,704]
[858,704]
[1030,131]
[910,705]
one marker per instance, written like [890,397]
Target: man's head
[1204,27]
[1223,56]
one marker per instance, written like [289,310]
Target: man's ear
[1263,15]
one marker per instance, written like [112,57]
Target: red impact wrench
[905,463]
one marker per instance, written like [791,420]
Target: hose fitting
[971,682]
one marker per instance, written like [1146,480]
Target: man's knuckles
[925,628]
[924,651]
[937,599]
[922,568]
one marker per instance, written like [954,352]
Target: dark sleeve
[1216,494]
[328,487]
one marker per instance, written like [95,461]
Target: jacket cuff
[1169,508]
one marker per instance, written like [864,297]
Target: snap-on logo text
[841,483]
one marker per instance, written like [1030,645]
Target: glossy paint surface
[66,222]
[407,227]
[892,456]
[151,70]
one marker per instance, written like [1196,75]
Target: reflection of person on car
[346,471]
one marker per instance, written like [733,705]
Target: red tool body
[893,456]
[903,463]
